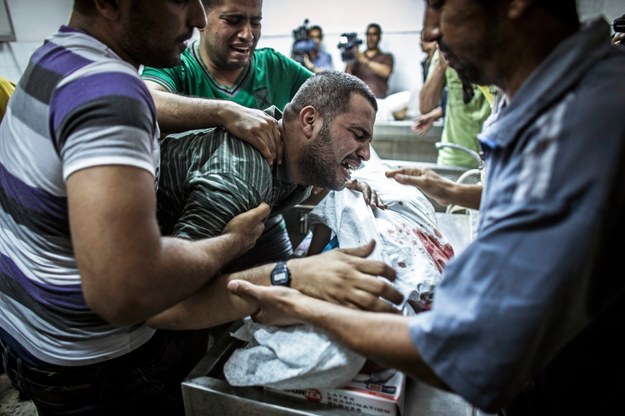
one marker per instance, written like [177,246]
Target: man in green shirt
[222,77]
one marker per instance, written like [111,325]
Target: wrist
[225,111]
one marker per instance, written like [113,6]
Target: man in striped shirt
[209,176]
[83,264]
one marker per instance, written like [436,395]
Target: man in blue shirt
[523,322]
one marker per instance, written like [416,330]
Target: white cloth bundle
[407,238]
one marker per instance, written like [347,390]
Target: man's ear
[308,118]
[518,8]
[108,8]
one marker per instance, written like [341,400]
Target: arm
[340,276]
[178,113]
[441,189]
[382,337]
[432,90]
[129,272]
[382,69]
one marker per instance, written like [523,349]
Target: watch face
[280,276]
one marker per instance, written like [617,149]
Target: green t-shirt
[270,79]
[462,122]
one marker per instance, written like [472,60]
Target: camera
[347,43]
[619,24]
[302,44]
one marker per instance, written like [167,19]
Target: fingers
[376,201]
[360,251]
[270,142]
[404,171]
[261,212]
[245,290]
[242,288]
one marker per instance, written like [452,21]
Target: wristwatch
[280,275]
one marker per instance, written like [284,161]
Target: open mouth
[241,49]
[349,166]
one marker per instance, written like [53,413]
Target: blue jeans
[146,381]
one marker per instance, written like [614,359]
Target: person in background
[318,60]
[619,31]
[423,122]
[372,66]
[6,90]
[209,176]
[466,109]
[82,262]
[224,72]
[428,48]
[524,319]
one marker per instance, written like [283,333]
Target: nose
[364,152]
[431,25]
[197,14]
[246,32]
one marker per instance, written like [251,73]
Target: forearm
[466,195]
[180,113]
[379,68]
[158,277]
[213,304]
[430,96]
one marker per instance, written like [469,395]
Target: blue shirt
[529,284]
[323,60]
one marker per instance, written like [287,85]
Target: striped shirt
[209,176]
[65,115]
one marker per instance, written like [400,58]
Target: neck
[524,57]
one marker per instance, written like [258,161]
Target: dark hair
[329,92]
[209,4]
[83,6]
[316,27]
[375,26]
[566,10]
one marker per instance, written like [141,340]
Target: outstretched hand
[346,277]
[430,182]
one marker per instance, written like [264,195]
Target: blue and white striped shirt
[78,105]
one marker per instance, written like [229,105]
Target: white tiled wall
[401,22]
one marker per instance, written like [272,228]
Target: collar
[556,75]
[282,172]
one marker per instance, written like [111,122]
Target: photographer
[372,66]
[619,31]
[317,60]
[307,48]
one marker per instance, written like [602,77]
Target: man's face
[373,38]
[339,147]
[232,32]
[155,31]
[467,35]
[316,37]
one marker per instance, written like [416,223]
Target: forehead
[360,114]
[247,7]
